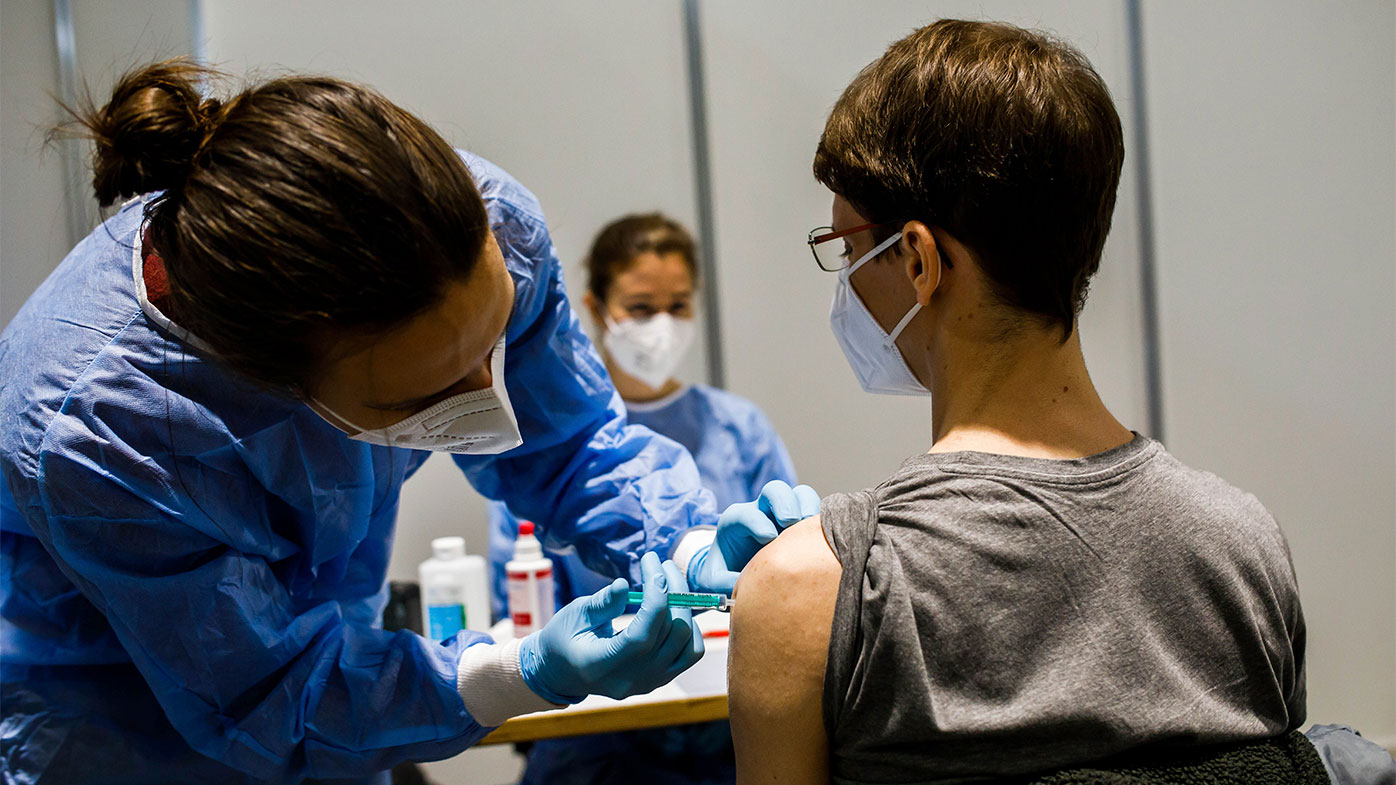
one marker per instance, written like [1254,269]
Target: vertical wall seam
[74,188]
[1148,280]
[703,193]
[198,46]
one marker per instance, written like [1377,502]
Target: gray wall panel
[1273,131]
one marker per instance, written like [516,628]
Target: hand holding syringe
[694,600]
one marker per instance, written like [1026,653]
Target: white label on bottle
[443,594]
[530,600]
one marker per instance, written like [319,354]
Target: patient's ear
[922,255]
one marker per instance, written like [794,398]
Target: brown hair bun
[149,132]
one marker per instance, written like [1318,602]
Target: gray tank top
[1000,616]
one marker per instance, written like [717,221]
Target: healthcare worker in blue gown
[642,277]
[209,409]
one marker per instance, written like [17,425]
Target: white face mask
[648,349]
[479,422]
[873,353]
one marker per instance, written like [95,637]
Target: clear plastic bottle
[530,580]
[455,590]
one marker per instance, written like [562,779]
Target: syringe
[680,599]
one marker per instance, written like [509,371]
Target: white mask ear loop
[877,249]
[896,331]
[869,256]
[915,309]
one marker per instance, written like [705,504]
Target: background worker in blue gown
[642,277]
[210,407]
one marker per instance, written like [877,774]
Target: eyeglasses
[832,258]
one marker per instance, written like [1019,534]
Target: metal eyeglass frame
[824,234]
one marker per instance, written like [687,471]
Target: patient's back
[1000,615]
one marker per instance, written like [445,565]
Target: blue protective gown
[737,452]
[192,571]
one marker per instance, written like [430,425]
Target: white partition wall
[33,217]
[34,192]
[773,72]
[1273,129]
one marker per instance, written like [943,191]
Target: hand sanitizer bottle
[530,582]
[455,590]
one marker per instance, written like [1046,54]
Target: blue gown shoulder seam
[521,213]
[39,450]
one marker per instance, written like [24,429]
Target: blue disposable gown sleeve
[279,688]
[584,476]
[767,458]
[503,528]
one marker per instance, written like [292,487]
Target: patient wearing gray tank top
[1000,615]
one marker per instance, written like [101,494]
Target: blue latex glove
[578,654]
[742,531]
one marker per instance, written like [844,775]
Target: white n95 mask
[873,353]
[479,422]
[648,349]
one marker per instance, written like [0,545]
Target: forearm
[257,681]
[352,707]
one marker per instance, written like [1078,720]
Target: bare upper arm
[775,669]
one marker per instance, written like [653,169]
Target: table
[697,695]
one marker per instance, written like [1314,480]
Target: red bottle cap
[525,528]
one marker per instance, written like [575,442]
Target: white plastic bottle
[455,590]
[530,581]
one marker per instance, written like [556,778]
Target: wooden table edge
[608,719]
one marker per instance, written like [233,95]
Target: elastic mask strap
[877,249]
[328,414]
[892,336]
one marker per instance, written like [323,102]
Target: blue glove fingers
[677,581]
[648,629]
[808,499]
[673,656]
[597,611]
[786,506]
[742,531]
[777,501]
[692,644]
[677,651]
[711,576]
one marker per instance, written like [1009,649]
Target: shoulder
[75,317]
[725,400]
[501,190]
[800,558]
[738,413]
[1204,496]
[785,598]
[780,640]
[517,223]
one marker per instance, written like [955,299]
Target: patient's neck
[1029,395]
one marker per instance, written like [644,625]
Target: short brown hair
[1003,137]
[625,238]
